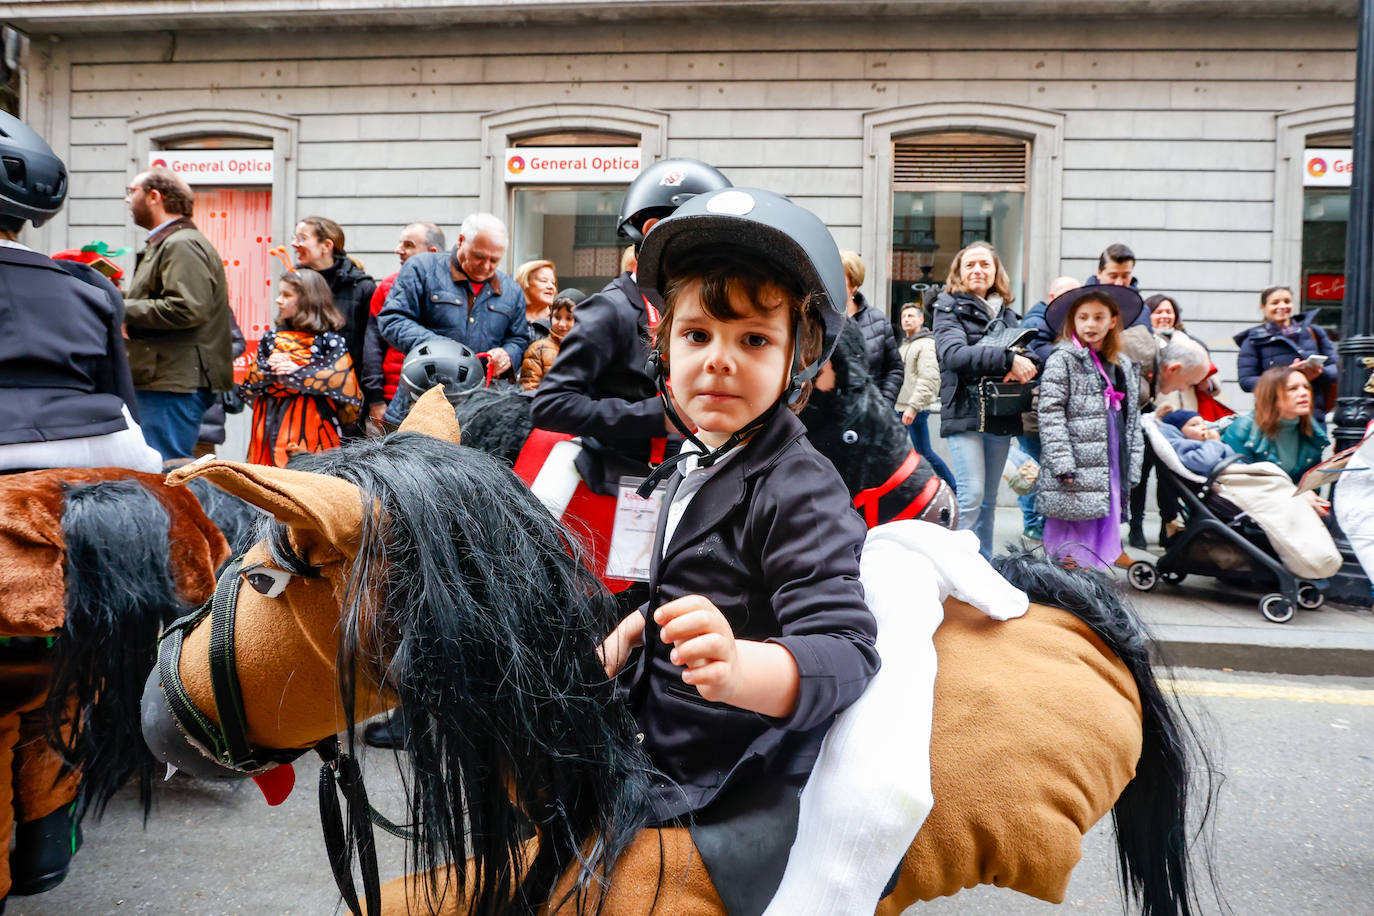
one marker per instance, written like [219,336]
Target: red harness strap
[867,500]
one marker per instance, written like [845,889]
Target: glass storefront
[930,227]
[573,228]
[1325,212]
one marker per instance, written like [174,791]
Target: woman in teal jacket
[1281,429]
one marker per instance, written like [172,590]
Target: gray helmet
[442,361]
[33,181]
[768,226]
[662,188]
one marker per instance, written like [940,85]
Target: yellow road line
[1346,696]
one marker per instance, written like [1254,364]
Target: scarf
[1291,332]
[1114,397]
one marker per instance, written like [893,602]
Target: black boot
[42,851]
[1136,537]
[389,734]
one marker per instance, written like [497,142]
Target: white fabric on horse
[870,790]
[558,477]
[123,449]
[1355,504]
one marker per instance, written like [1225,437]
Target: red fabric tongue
[276,783]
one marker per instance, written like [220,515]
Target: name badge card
[632,535]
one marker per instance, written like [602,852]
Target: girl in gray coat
[1091,446]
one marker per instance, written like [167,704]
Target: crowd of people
[1071,388]
[1068,379]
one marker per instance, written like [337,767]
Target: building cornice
[57,17]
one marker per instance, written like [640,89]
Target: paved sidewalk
[1203,623]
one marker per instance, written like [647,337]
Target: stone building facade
[1057,128]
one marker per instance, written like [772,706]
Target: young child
[540,354]
[1198,445]
[756,633]
[1091,448]
[302,383]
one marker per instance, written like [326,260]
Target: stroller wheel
[1310,597]
[1142,576]
[1276,608]
[1172,576]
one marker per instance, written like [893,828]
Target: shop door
[238,222]
[573,227]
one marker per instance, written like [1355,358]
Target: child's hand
[281,364]
[628,635]
[908,417]
[704,644]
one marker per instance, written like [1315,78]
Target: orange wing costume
[307,408]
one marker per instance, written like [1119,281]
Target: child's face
[726,373]
[1195,428]
[286,304]
[560,323]
[1092,321]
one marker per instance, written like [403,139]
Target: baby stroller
[1219,540]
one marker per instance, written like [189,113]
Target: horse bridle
[228,746]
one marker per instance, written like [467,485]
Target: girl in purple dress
[1090,438]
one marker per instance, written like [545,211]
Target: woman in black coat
[1285,339]
[884,362]
[975,302]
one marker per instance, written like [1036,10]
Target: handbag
[998,401]
[1007,338]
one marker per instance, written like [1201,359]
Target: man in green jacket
[176,314]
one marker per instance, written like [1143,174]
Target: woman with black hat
[1091,447]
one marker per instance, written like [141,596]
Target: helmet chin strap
[709,456]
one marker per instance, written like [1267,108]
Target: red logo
[515,165]
[1316,167]
[159,163]
[1325,287]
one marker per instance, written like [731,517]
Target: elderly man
[381,369]
[461,296]
[177,315]
[1178,367]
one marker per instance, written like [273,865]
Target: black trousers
[1165,497]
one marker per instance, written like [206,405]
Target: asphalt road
[1292,833]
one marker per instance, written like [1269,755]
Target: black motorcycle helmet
[442,362]
[772,229]
[33,181]
[662,188]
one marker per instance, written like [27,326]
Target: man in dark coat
[1116,267]
[177,314]
[598,385]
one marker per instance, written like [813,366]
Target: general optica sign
[217,167]
[572,164]
[1326,168]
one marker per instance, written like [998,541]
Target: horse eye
[266,581]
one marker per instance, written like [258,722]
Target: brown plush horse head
[410,569]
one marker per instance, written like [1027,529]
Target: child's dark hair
[315,311]
[1111,344]
[562,304]
[718,270]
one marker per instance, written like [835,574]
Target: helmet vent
[14,169]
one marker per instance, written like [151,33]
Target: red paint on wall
[236,220]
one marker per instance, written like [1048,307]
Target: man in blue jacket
[459,295]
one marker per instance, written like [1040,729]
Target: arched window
[557,174]
[942,174]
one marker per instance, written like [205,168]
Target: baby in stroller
[1196,443]
[1245,522]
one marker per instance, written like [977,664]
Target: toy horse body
[92,563]
[411,570]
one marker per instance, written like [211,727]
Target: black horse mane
[119,593]
[1152,811]
[236,519]
[854,425]
[469,602]
[499,417]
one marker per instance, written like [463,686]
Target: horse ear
[433,415]
[305,502]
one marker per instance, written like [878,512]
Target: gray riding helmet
[33,181]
